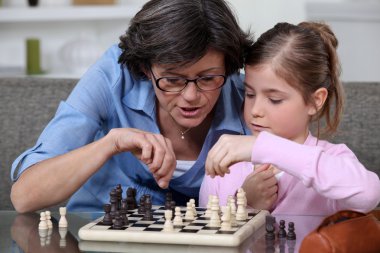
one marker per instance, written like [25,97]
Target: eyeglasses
[177,84]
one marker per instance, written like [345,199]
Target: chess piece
[241,213]
[118,223]
[177,221]
[192,201]
[269,227]
[209,204]
[43,224]
[62,221]
[131,199]
[48,219]
[124,212]
[189,215]
[214,219]
[168,225]
[141,209]
[282,231]
[226,219]
[119,195]
[148,215]
[291,234]
[114,202]
[43,229]
[107,219]
[233,212]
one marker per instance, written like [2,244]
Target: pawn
[177,221]
[192,201]
[291,234]
[168,225]
[226,219]
[62,221]
[189,215]
[43,224]
[282,231]
[48,219]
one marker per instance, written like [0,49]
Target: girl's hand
[261,187]
[228,150]
[154,150]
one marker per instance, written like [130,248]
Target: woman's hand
[154,150]
[261,187]
[228,150]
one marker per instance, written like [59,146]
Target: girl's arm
[332,170]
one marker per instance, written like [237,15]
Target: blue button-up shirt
[109,97]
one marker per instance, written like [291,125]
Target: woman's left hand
[229,149]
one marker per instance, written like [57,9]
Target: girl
[292,80]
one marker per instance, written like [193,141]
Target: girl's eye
[275,101]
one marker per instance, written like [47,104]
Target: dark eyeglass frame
[187,81]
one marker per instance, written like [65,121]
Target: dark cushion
[27,105]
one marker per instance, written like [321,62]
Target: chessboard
[192,232]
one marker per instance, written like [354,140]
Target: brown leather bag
[344,232]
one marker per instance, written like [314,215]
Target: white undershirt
[182,167]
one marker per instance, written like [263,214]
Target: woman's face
[189,107]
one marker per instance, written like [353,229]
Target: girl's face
[272,105]
[189,107]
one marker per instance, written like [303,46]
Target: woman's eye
[250,95]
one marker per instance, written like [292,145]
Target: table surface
[19,233]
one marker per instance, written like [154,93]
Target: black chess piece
[107,219]
[124,212]
[113,200]
[291,232]
[118,224]
[131,198]
[291,245]
[141,209]
[148,215]
[269,227]
[282,231]
[119,195]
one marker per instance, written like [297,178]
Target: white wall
[359,38]
[356,24]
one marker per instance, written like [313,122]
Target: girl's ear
[319,99]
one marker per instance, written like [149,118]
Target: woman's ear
[319,99]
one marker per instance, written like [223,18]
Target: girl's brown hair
[305,56]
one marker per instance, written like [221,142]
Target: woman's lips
[190,111]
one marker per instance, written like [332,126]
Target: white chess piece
[48,219]
[62,221]
[192,201]
[233,212]
[209,204]
[241,213]
[226,218]
[177,221]
[43,224]
[168,225]
[215,219]
[189,215]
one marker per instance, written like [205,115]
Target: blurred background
[72,34]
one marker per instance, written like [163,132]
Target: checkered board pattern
[195,232]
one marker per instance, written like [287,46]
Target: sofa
[28,103]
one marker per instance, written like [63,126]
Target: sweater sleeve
[332,170]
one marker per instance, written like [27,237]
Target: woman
[145,115]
